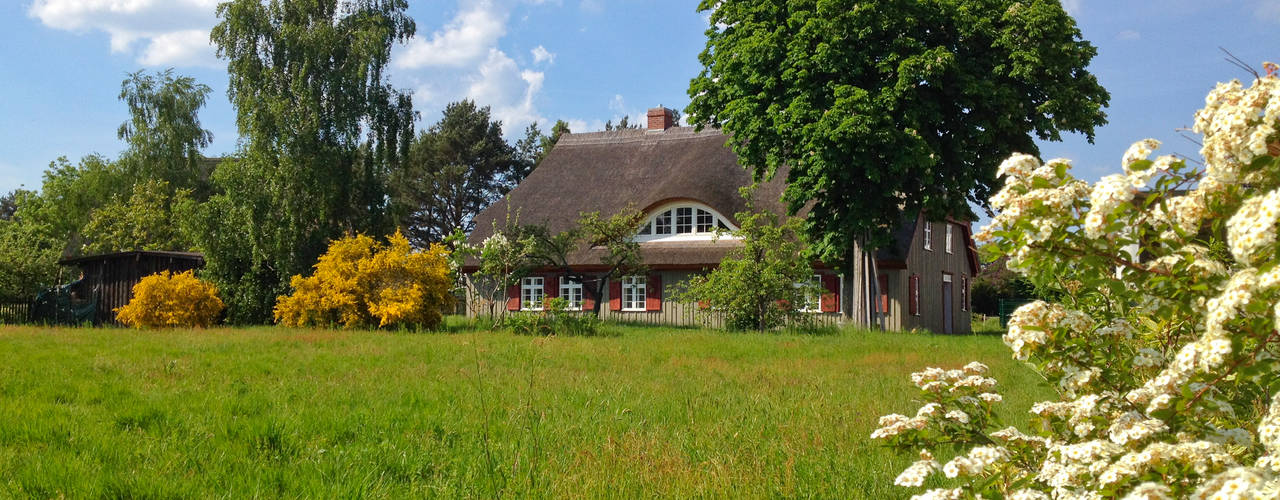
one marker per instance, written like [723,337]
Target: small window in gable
[662,223]
[684,220]
[928,235]
[947,238]
[706,221]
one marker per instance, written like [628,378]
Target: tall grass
[273,412]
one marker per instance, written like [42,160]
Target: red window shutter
[588,298]
[551,285]
[615,295]
[831,299]
[513,298]
[914,295]
[653,293]
[883,282]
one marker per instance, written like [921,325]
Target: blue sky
[584,61]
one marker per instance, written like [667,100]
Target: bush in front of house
[1162,343]
[554,319]
[361,283]
[171,300]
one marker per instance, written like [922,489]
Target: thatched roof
[607,171]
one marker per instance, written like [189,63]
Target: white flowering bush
[1163,348]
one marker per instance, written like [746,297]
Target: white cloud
[1072,7]
[541,54]
[176,32]
[466,39]
[508,90]
[1128,35]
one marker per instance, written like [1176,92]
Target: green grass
[274,412]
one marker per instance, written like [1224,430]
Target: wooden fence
[15,313]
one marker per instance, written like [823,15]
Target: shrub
[166,300]
[359,282]
[1163,346]
[554,319]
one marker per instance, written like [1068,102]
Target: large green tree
[455,169]
[879,107]
[321,131]
[163,132]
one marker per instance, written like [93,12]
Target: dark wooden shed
[109,278]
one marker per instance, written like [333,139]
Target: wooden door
[948,316]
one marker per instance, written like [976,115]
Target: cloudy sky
[584,61]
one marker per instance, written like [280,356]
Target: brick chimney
[660,119]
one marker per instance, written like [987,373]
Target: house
[686,184]
[106,281]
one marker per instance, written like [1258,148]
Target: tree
[30,247]
[322,130]
[1163,346]
[623,124]
[164,132]
[528,152]
[549,141]
[9,203]
[613,235]
[765,283]
[454,170]
[147,220]
[918,99]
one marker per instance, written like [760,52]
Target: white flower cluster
[978,460]
[1029,324]
[1252,229]
[918,471]
[1173,313]
[892,425]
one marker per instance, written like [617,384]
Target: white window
[928,235]
[633,292]
[531,294]
[813,296]
[684,221]
[947,238]
[571,291]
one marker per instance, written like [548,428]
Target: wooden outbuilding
[108,279]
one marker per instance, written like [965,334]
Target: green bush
[554,319]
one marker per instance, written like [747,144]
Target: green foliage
[549,141]
[149,219]
[164,132]
[615,235]
[919,99]
[762,285]
[454,170]
[995,282]
[321,129]
[554,319]
[30,247]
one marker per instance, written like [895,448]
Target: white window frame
[532,293]
[670,213]
[928,236]
[569,290]
[813,296]
[634,290]
[947,238]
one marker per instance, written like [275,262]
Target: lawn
[274,412]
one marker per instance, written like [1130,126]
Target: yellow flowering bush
[171,300]
[359,282]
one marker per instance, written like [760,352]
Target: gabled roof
[189,256]
[607,171]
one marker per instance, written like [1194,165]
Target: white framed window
[684,221]
[813,296]
[947,238]
[531,294]
[571,292]
[633,293]
[928,235]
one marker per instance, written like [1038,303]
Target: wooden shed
[108,279]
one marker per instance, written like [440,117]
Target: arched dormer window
[684,221]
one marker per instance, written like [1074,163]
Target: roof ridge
[635,135]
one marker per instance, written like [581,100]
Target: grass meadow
[295,413]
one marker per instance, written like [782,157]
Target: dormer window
[683,221]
